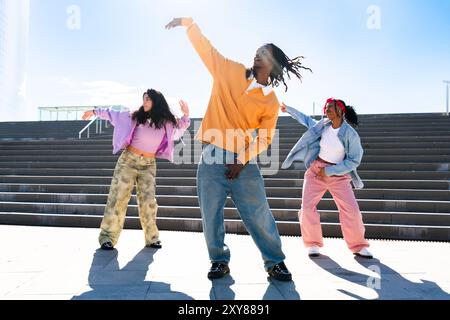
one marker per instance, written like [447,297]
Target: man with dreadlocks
[242,101]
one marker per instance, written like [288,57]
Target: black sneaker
[280,272]
[218,270]
[156,245]
[108,246]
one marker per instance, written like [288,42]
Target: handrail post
[447,83]
[87,127]
[98,127]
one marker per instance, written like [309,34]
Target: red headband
[339,103]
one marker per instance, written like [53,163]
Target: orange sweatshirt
[234,114]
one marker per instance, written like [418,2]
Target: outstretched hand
[184,108]
[88,115]
[283,108]
[178,22]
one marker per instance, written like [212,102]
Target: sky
[381,56]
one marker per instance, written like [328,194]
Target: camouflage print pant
[131,169]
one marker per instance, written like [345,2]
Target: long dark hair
[282,65]
[160,113]
[350,114]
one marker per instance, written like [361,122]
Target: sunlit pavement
[38,263]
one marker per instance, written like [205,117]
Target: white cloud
[50,91]
[66,82]
[102,92]
[106,92]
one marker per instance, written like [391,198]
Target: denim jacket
[124,127]
[307,148]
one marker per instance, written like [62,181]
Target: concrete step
[371,126]
[189,173]
[189,212]
[291,133]
[191,181]
[373,231]
[108,162]
[282,122]
[365,136]
[44,130]
[49,165]
[387,120]
[407,166]
[183,169]
[373,121]
[283,148]
[107,140]
[46,178]
[374,127]
[294,130]
[289,192]
[363,127]
[275,202]
[295,137]
[389,147]
[433,161]
[283,130]
[40,127]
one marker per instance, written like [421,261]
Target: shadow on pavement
[109,282]
[386,282]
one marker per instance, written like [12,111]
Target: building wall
[14,30]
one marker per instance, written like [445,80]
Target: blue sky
[122,48]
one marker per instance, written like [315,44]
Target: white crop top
[331,148]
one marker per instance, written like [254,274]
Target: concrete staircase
[49,177]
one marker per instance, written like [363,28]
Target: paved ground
[64,263]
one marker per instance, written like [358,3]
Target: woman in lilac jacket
[144,135]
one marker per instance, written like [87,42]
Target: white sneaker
[314,251]
[364,253]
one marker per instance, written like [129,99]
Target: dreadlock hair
[160,113]
[282,65]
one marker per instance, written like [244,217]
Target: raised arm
[183,123]
[302,118]
[104,114]
[212,59]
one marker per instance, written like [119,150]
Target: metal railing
[100,124]
[447,83]
[98,127]
[68,113]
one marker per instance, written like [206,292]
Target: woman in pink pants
[331,150]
